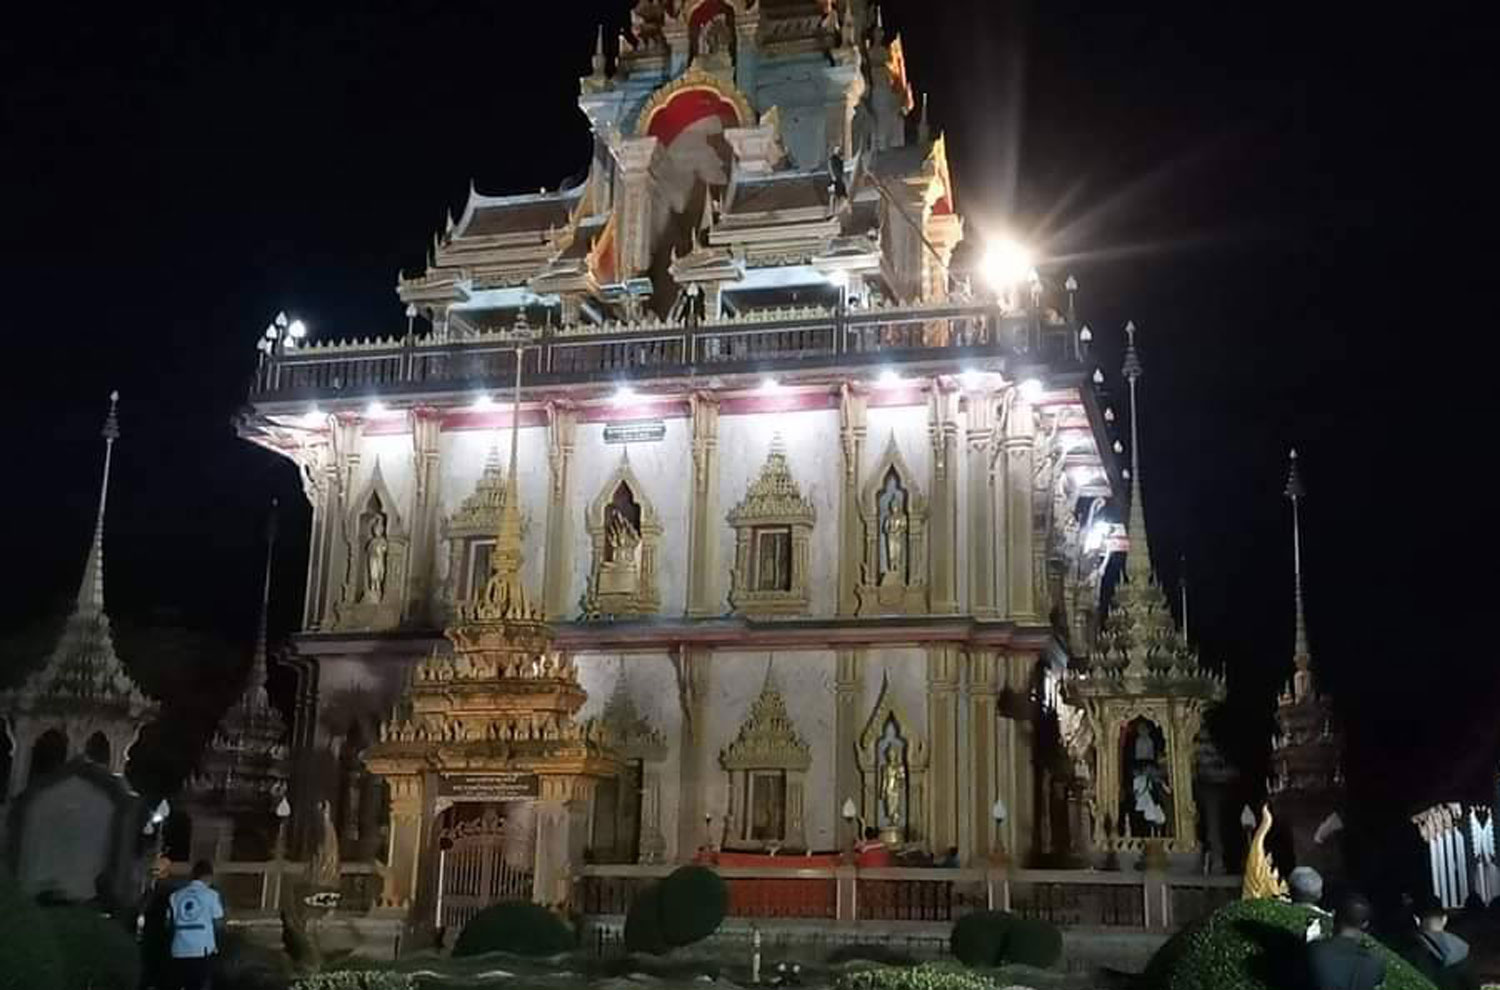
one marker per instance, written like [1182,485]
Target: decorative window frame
[630,736]
[772,502]
[351,611]
[767,743]
[644,598]
[475,522]
[909,597]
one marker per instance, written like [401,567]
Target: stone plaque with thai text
[489,786]
[635,431]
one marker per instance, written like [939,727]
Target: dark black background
[1285,197]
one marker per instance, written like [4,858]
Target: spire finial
[1301,654]
[91,590]
[255,692]
[924,129]
[1182,587]
[1138,563]
[598,62]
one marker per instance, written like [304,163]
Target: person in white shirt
[194,914]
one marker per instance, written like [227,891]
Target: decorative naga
[1261,879]
[325,862]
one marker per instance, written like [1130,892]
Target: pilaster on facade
[979,438]
[853,425]
[1018,773]
[848,682]
[426,432]
[404,845]
[1018,460]
[704,598]
[691,666]
[314,459]
[985,673]
[943,666]
[344,434]
[557,563]
[636,158]
[942,540]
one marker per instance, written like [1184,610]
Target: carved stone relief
[893,513]
[773,527]
[893,767]
[376,545]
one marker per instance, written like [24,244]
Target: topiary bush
[519,927]
[928,976]
[643,932]
[97,953]
[694,900]
[1253,945]
[990,938]
[28,955]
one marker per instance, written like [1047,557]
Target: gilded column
[1018,452]
[704,598]
[852,427]
[984,751]
[426,430]
[942,726]
[691,667]
[848,678]
[635,156]
[979,434]
[942,537]
[557,562]
[403,853]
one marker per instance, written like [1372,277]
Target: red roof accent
[685,108]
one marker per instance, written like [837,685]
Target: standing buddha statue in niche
[893,786]
[376,549]
[893,531]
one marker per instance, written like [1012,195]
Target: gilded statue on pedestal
[376,549]
[893,529]
[893,787]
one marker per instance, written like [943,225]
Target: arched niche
[48,754]
[376,549]
[892,763]
[624,537]
[97,749]
[1146,784]
[767,765]
[893,515]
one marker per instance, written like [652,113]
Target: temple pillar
[691,666]
[557,563]
[316,470]
[426,429]
[345,433]
[942,727]
[635,157]
[404,849]
[1018,777]
[1017,462]
[984,677]
[562,832]
[979,434]
[942,533]
[703,599]
[852,427]
[848,675]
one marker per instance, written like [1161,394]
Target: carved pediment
[767,739]
[774,497]
[624,730]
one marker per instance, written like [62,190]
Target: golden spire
[1138,561]
[1301,653]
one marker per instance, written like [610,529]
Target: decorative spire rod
[1138,561]
[1182,583]
[1301,655]
[91,590]
[256,688]
[505,590]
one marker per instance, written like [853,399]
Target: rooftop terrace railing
[760,342]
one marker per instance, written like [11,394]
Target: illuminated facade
[799,516]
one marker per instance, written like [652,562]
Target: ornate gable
[773,534]
[767,739]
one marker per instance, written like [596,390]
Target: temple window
[767,800]
[477,570]
[767,765]
[624,534]
[773,527]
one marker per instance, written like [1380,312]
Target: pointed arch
[376,548]
[625,534]
[48,754]
[893,513]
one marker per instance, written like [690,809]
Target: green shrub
[1252,945]
[519,927]
[28,955]
[694,900]
[928,976]
[357,980]
[643,923]
[870,952]
[243,965]
[989,938]
[97,953]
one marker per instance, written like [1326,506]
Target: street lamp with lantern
[282,335]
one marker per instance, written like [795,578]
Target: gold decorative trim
[612,590]
[694,79]
[773,499]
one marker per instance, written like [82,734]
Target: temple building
[1306,784]
[705,506]
[82,703]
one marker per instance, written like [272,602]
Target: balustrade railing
[356,369]
[252,887]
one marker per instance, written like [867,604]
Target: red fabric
[874,856]
[687,107]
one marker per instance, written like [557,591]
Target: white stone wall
[812,451]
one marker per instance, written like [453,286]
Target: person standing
[1346,961]
[1437,953]
[194,913]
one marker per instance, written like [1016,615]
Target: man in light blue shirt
[194,912]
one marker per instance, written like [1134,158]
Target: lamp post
[283,812]
[282,335]
[999,813]
[850,812]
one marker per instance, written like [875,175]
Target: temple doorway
[486,855]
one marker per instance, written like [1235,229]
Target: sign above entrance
[488,786]
[635,431]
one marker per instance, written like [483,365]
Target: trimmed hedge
[243,965]
[28,955]
[97,953]
[643,932]
[987,939]
[928,976]
[1253,945]
[694,900]
[519,927]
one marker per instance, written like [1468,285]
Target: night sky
[1279,195]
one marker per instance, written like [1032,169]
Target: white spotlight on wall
[1005,264]
[377,409]
[483,403]
[770,386]
[1031,390]
[888,379]
[624,396]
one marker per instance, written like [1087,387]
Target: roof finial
[1138,563]
[1182,588]
[91,590]
[598,61]
[255,692]
[1301,654]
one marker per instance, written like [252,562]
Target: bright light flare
[483,403]
[972,380]
[377,410]
[1031,390]
[625,395]
[298,330]
[889,379]
[1006,263]
[770,386]
[313,418]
